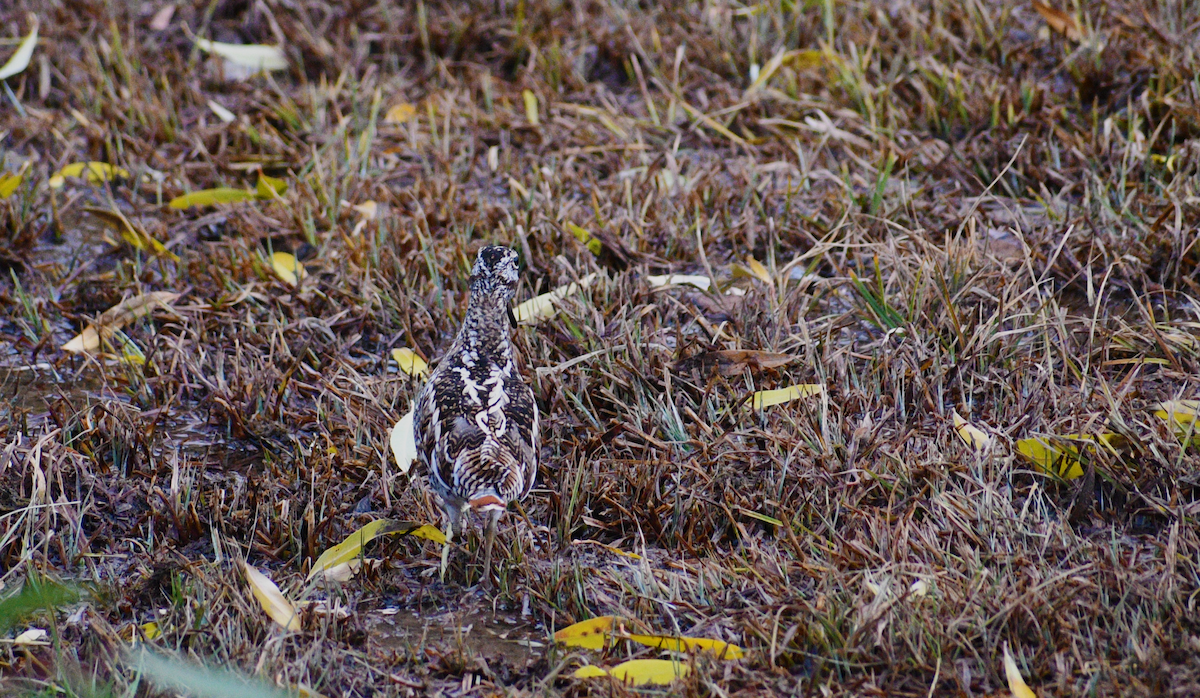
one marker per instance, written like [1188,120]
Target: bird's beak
[512,319]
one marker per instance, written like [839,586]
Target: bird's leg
[452,519]
[493,518]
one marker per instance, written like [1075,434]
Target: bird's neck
[485,327]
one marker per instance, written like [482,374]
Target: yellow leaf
[427,532]
[257,57]
[130,233]
[1064,460]
[288,268]
[808,58]
[367,209]
[545,306]
[410,362]
[399,113]
[151,631]
[271,598]
[20,60]
[701,282]
[351,548]
[767,398]
[720,648]
[269,187]
[759,271]
[404,445]
[117,317]
[585,237]
[94,172]
[638,672]
[588,671]
[975,437]
[209,197]
[531,107]
[32,636]
[10,182]
[1061,462]
[589,634]
[1059,21]
[1180,413]
[1016,684]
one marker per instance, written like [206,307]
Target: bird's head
[496,273]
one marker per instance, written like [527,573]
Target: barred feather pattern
[475,421]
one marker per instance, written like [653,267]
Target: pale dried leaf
[19,61]
[271,598]
[404,443]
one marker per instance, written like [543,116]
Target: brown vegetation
[983,207]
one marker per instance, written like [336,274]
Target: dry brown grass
[1020,210]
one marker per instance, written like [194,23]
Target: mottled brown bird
[475,422]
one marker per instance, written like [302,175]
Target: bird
[475,421]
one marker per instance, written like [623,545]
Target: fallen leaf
[531,107]
[1059,21]
[759,271]
[410,362]
[975,437]
[288,268]
[367,209]
[162,19]
[344,572]
[32,636]
[585,237]
[117,317]
[135,236]
[256,57]
[588,671]
[151,630]
[701,282]
[1064,460]
[10,182]
[639,672]
[399,113]
[351,548]
[589,634]
[768,398]
[210,197]
[269,187]
[20,60]
[426,531]
[404,443]
[222,113]
[1016,684]
[545,306]
[94,172]
[272,599]
[1181,414]
[720,648]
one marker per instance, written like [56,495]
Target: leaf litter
[797,319]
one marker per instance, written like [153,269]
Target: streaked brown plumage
[475,421]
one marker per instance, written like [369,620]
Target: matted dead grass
[956,208]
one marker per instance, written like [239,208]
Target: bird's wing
[522,436]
